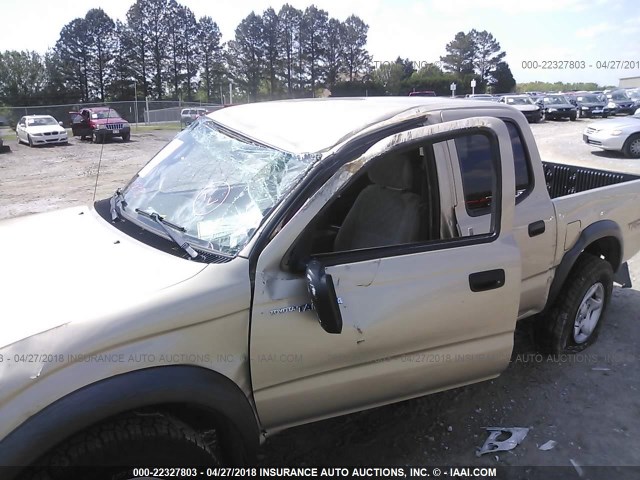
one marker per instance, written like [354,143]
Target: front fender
[191,386]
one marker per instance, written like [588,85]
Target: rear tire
[631,147]
[574,320]
[134,439]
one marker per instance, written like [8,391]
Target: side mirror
[323,297]
[60,123]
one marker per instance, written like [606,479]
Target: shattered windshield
[217,187]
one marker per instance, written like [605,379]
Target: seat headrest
[393,172]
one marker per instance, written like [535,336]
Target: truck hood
[72,265]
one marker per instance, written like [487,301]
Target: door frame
[275,275]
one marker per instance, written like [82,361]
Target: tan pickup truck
[284,262]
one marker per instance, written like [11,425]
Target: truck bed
[565,180]
[582,196]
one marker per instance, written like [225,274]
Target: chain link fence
[141,111]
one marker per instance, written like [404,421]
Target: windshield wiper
[116,201]
[177,238]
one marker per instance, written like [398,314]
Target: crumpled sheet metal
[492,444]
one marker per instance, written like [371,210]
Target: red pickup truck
[100,124]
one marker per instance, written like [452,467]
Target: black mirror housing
[323,297]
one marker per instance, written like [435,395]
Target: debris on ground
[578,468]
[492,444]
[548,445]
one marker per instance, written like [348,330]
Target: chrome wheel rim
[635,147]
[589,313]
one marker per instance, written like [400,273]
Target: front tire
[95,138]
[126,137]
[573,322]
[30,141]
[572,117]
[145,439]
[631,147]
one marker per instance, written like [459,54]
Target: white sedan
[40,130]
[621,134]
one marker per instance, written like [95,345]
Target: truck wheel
[573,322]
[142,439]
[95,138]
[126,137]
[632,146]
[572,117]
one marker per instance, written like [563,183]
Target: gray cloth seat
[384,213]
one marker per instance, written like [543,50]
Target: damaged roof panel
[316,125]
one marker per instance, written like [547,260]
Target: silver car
[523,103]
[621,134]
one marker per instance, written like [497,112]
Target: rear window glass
[478,173]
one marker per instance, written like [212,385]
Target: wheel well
[607,248]
[202,398]
[601,239]
[204,421]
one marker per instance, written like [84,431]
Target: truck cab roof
[317,125]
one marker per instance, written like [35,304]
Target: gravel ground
[588,404]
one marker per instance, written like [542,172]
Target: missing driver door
[417,318]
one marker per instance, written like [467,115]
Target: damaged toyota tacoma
[284,262]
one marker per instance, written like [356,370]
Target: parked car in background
[620,102]
[190,115]
[634,95]
[99,124]
[556,106]
[523,103]
[423,93]
[40,130]
[571,97]
[588,105]
[620,134]
[481,96]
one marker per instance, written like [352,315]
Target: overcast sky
[539,30]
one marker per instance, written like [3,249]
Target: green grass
[7,133]
[173,126]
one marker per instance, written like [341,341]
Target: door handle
[537,228]
[487,280]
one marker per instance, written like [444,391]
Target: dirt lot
[588,404]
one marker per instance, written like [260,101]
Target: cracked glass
[216,187]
